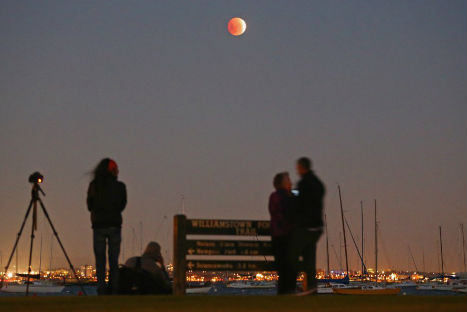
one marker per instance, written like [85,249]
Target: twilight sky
[373,91]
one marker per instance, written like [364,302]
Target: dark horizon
[374,92]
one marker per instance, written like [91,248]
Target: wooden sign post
[179,259]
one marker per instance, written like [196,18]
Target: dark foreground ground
[236,304]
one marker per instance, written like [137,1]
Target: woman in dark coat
[106,200]
[280,206]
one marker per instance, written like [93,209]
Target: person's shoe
[310,292]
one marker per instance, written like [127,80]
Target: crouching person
[145,275]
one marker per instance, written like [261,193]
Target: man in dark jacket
[106,200]
[309,225]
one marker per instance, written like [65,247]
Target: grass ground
[236,304]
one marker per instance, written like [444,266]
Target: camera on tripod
[36,177]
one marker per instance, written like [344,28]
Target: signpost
[237,249]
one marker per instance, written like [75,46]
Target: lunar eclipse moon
[236,26]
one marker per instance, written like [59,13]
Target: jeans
[279,246]
[303,243]
[101,237]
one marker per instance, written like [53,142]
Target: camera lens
[36,177]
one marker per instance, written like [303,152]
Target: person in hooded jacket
[106,199]
[153,278]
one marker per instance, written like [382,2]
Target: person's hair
[101,173]
[153,250]
[304,162]
[279,179]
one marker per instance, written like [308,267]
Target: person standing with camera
[106,200]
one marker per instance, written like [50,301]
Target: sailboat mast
[437,258]
[340,251]
[343,232]
[376,246]
[423,260]
[463,244]
[327,244]
[51,252]
[133,241]
[141,237]
[363,270]
[441,250]
[355,243]
[413,259]
[40,257]
[183,203]
[337,256]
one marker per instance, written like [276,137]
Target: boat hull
[436,287]
[251,285]
[33,289]
[325,290]
[357,291]
[198,290]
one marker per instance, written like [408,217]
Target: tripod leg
[61,246]
[16,242]
[33,228]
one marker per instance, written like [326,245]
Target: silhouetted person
[106,200]
[280,206]
[151,276]
[309,224]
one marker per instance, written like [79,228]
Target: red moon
[236,26]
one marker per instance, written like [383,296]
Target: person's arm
[159,276]
[316,192]
[165,282]
[123,197]
[304,200]
[274,205]
[131,262]
[90,197]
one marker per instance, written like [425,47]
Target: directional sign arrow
[190,265]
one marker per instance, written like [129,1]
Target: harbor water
[220,289]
